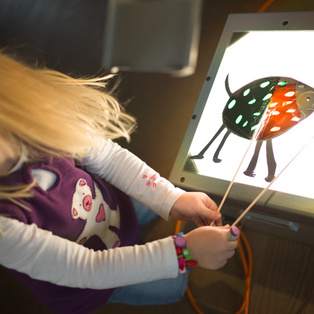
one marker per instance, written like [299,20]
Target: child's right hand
[211,247]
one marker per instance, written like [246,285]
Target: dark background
[67,35]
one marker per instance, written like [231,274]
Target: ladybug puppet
[272,105]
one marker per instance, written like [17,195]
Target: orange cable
[249,274]
[265,6]
[245,268]
[192,300]
[178,226]
[247,265]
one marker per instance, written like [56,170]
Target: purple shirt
[79,207]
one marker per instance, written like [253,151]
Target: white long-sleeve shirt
[32,251]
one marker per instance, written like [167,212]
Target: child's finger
[234,233]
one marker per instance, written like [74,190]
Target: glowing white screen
[256,55]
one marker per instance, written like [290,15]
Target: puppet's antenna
[227,87]
[268,186]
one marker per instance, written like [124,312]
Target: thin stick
[236,173]
[233,179]
[268,186]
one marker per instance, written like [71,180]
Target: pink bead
[181,261]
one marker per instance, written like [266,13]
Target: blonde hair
[53,114]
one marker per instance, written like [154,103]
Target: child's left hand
[198,207]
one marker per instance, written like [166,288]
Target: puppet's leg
[270,161]
[250,170]
[200,155]
[215,158]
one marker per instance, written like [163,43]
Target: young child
[69,231]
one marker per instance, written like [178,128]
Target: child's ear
[74,213]
[82,182]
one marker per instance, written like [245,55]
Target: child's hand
[211,247]
[196,206]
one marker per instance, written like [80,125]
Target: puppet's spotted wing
[246,106]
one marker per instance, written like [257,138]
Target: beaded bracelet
[184,255]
